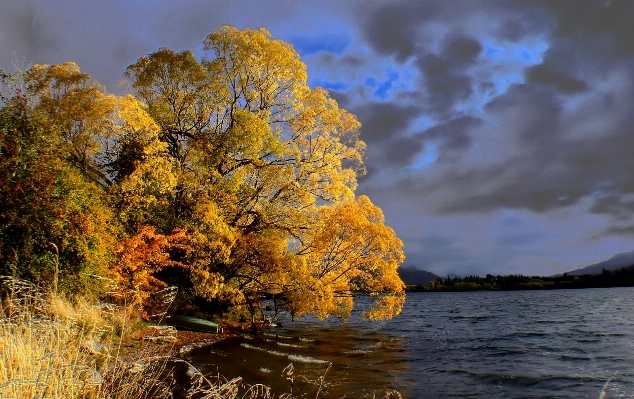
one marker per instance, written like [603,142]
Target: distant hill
[616,262]
[412,276]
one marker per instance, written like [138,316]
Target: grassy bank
[54,348]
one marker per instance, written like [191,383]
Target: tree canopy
[227,176]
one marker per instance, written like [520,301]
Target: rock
[186,349]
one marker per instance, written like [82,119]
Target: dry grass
[50,348]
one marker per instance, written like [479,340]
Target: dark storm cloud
[549,171]
[342,98]
[444,76]
[462,51]
[401,151]
[402,28]
[545,75]
[439,253]
[97,38]
[22,28]
[443,84]
[612,204]
[453,134]
[603,27]
[453,137]
[531,112]
[512,30]
[345,70]
[552,170]
[331,60]
[395,29]
[618,230]
[508,186]
[558,139]
[589,37]
[382,121]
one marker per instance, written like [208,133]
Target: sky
[500,133]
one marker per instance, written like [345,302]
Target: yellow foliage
[237,150]
[78,108]
[350,249]
[267,173]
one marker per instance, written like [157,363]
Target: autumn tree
[55,228]
[261,160]
[78,108]
[138,258]
[68,149]
[347,249]
[227,176]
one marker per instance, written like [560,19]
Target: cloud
[545,75]
[443,85]
[439,254]
[25,34]
[331,60]
[454,135]
[513,30]
[616,205]
[603,27]
[619,230]
[401,152]
[529,112]
[462,51]
[384,120]
[548,163]
[395,29]
[445,79]
[543,127]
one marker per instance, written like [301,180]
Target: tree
[78,108]
[54,225]
[261,161]
[347,249]
[139,258]
[226,176]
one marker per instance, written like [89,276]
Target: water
[519,344]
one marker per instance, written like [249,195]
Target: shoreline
[183,342]
[153,341]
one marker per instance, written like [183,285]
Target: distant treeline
[623,277]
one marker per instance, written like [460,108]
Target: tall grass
[52,348]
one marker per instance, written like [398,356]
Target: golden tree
[228,176]
[265,178]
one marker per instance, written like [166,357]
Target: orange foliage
[140,256]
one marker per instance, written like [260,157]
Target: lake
[481,344]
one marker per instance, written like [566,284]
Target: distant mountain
[412,276]
[616,262]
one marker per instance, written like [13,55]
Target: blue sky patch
[311,45]
[381,88]
[337,85]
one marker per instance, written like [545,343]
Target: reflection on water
[528,344]
[363,361]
